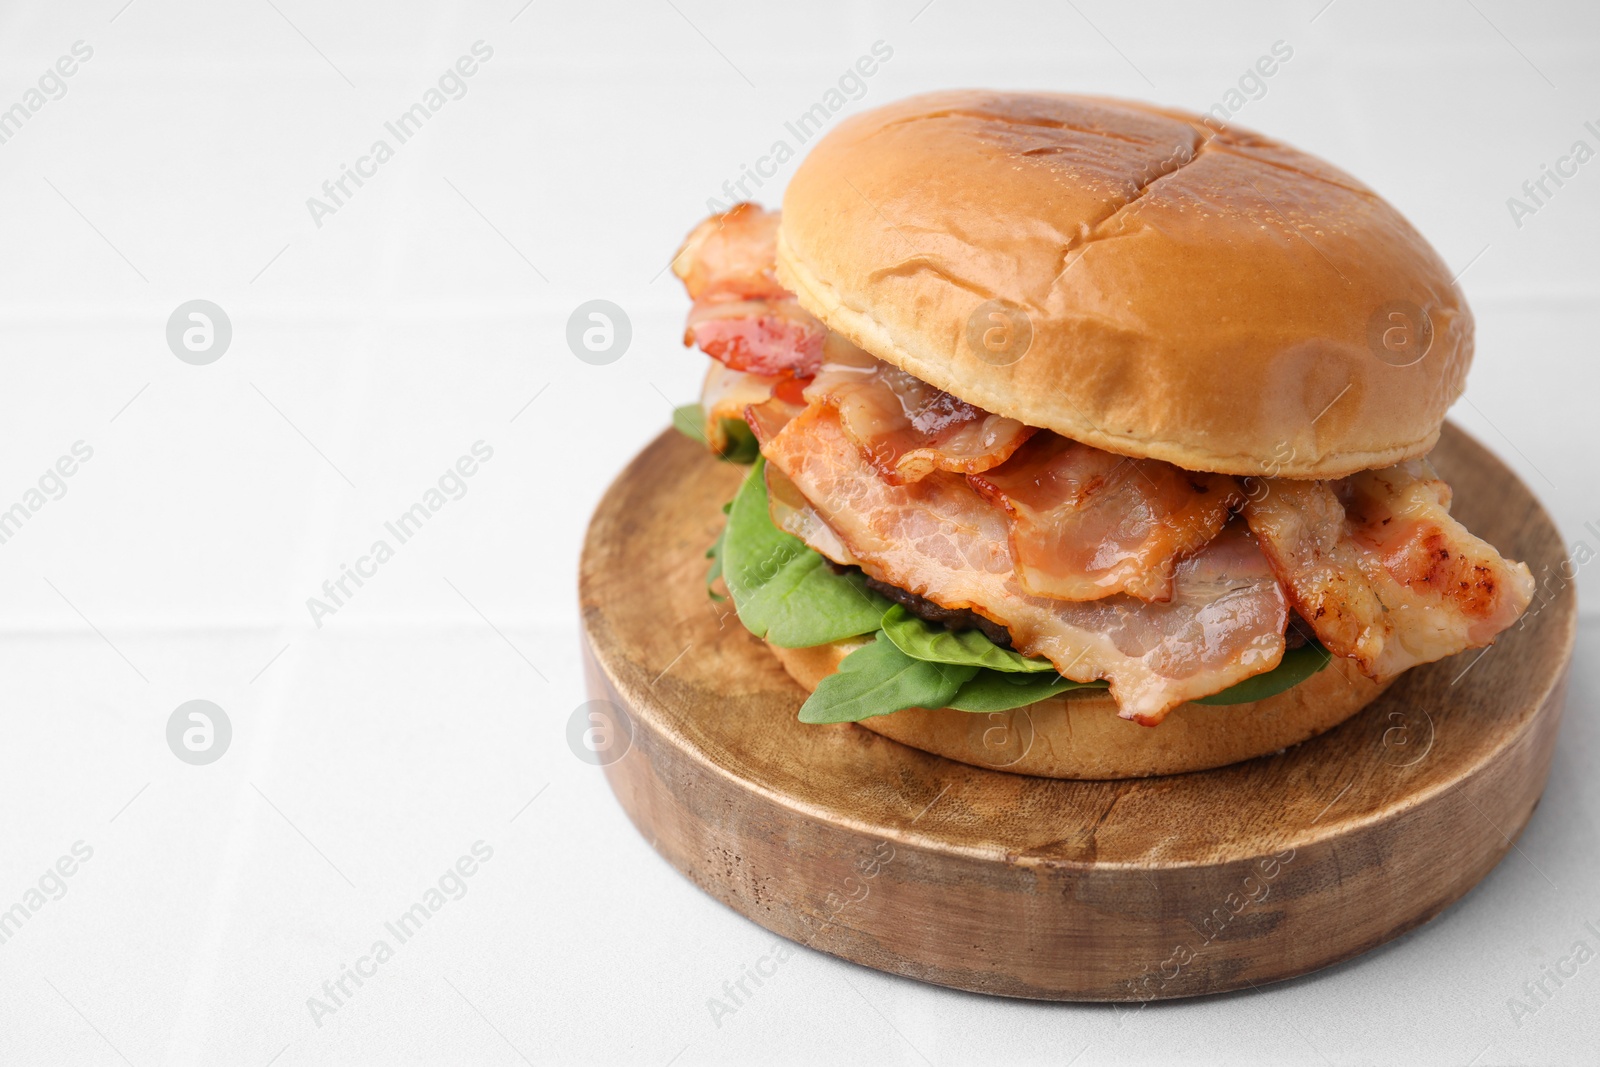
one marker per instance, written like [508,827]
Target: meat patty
[952,619]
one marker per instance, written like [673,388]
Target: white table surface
[423,316]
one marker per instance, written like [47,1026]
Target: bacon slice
[764,336]
[732,252]
[938,538]
[793,513]
[741,315]
[725,394]
[1086,524]
[1382,572]
[905,427]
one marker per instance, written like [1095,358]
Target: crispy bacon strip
[725,394]
[905,427]
[937,538]
[793,513]
[764,401]
[1086,524]
[1382,572]
[741,315]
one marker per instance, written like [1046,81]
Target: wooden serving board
[841,839]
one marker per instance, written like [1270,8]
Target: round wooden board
[841,839]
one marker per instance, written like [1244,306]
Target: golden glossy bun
[1213,299]
[1078,734]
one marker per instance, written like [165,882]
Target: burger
[1088,425]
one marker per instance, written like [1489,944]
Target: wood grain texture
[1131,890]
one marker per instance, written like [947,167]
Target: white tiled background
[425,315]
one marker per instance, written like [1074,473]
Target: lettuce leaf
[714,554]
[1297,665]
[877,679]
[934,644]
[783,590]
[690,420]
[991,690]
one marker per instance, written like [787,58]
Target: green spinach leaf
[993,690]
[1297,665]
[742,447]
[783,590]
[934,644]
[877,679]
